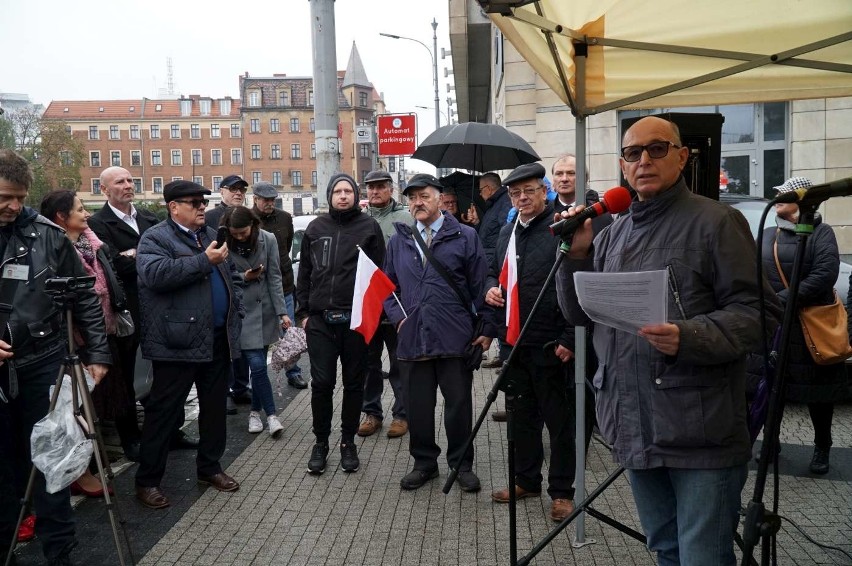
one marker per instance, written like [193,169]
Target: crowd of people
[210,290]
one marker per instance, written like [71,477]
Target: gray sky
[114,49]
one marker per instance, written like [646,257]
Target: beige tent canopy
[669,53]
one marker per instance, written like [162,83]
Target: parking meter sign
[397,134]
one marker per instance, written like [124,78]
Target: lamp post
[443,114]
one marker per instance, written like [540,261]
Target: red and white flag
[372,287]
[509,281]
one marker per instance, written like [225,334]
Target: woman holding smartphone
[255,254]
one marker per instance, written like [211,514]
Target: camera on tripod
[63,285]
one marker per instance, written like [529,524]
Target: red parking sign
[397,134]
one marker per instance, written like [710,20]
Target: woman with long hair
[255,254]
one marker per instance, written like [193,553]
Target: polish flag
[509,281]
[372,287]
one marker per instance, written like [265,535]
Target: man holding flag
[538,372]
[435,327]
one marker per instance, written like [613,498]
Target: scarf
[87,246]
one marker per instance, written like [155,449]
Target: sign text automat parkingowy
[397,134]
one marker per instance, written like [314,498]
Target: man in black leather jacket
[32,347]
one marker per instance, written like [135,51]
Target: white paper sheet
[627,301]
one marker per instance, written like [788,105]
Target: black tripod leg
[513,499]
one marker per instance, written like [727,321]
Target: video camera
[63,285]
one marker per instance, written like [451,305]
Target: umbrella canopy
[475,146]
[466,188]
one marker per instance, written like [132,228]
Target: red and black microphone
[614,201]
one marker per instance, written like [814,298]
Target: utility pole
[326,115]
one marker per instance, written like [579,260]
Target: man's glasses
[194,203]
[656,150]
[527,192]
[243,190]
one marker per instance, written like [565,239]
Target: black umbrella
[464,185]
[475,146]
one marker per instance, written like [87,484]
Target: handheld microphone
[615,200]
[817,193]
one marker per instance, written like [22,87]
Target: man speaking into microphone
[671,400]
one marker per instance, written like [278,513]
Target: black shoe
[416,478]
[131,451]
[468,481]
[298,382]
[319,456]
[181,441]
[819,463]
[230,406]
[349,457]
[243,398]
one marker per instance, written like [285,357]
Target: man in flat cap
[538,373]
[324,292]
[280,223]
[191,320]
[385,210]
[435,327]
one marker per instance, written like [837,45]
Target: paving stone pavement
[283,516]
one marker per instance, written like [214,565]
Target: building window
[284,98]
[155,131]
[115,158]
[195,131]
[177,157]
[276,177]
[156,157]
[274,125]
[235,130]
[255,151]
[275,151]
[215,157]
[313,125]
[295,151]
[95,158]
[215,132]
[157,184]
[196,157]
[135,157]
[216,180]
[255,177]
[137,185]
[254,98]
[174,131]
[113,133]
[294,125]
[313,151]
[314,178]
[364,149]
[177,178]
[96,186]
[236,156]
[93,133]
[296,178]
[310,98]
[186,107]
[134,132]
[204,107]
[362,99]
[363,121]
[224,107]
[254,126]
[65,158]
[198,180]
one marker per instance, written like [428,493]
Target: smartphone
[221,236]
[256,269]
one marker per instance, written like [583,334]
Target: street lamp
[444,114]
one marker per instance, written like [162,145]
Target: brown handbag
[824,327]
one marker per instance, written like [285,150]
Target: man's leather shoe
[398,427]
[230,406]
[181,441]
[220,481]
[131,451]
[499,416]
[561,508]
[370,425]
[243,398]
[417,478]
[298,382]
[502,495]
[468,481]
[151,497]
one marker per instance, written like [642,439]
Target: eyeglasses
[656,150]
[194,203]
[527,192]
[243,190]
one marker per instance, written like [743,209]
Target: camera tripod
[85,416]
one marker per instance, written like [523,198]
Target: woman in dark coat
[817,385]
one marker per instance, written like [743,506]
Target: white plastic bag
[60,448]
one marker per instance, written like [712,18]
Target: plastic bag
[288,349]
[60,448]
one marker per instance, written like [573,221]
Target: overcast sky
[115,49]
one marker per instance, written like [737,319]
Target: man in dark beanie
[324,290]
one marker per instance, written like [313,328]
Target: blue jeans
[689,516]
[290,302]
[261,388]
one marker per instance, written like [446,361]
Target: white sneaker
[275,426]
[255,424]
